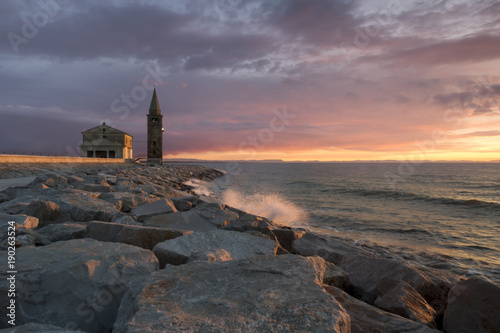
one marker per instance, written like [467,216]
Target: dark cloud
[320,22]
[228,64]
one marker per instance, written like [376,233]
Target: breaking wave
[200,187]
[270,205]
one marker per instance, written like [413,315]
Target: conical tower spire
[155,131]
[154,108]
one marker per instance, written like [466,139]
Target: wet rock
[47,212]
[158,207]
[231,296]
[473,306]
[145,237]
[203,245]
[76,284]
[369,319]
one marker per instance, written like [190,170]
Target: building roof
[154,108]
[104,129]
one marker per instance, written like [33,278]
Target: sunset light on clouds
[243,79]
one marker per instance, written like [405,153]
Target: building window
[104,136]
[90,153]
[111,154]
[154,143]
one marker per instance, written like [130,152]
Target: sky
[244,79]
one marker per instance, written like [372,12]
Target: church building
[104,141]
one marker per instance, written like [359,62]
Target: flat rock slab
[63,231]
[20,181]
[207,246]
[162,206]
[75,284]
[369,319]
[281,294]
[145,237]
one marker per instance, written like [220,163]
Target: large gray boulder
[280,294]
[162,206]
[369,319]
[329,248]
[473,306]
[84,206]
[207,246]
[400,298]
[145,237]
[47,212]
[366,274]
[75,284]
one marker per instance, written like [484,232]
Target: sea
[441,215]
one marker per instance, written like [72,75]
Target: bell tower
[155,131]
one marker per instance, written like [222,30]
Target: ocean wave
[270,205]
[400,195]
[400,231]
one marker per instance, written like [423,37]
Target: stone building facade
[104,141]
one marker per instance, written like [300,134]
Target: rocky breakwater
[131,249]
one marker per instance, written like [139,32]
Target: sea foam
[270,205]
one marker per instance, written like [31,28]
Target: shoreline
[136,207]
